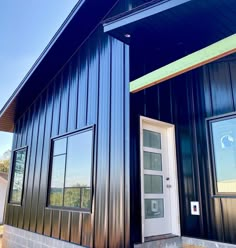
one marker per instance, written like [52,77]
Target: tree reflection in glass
[18,176]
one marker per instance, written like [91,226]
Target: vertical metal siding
[33,137]
[76,223]
[64,85]
[38,164]
[83,84]
[126,109]
[103,153]
[116,195]
[56,223]
[92,88]
[232,70]
[44,162]
[73,93]
[65,225]
[219,72]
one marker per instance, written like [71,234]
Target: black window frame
[13,173]
[211,155]
[66,135]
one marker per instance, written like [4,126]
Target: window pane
[151,139]
[86,198]
[224,146]
[18,177]
[79,160]
[72,197]
[57,181]
[59,146]
[154,208]
[153,184]
[152,161]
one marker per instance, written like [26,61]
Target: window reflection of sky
[59,146]
[78,164]
[78,169]
[224,142]
[58,168]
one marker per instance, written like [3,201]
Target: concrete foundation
[18,238]
[183,242]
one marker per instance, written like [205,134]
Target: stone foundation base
[18,238]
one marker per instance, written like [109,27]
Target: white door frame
[174,194]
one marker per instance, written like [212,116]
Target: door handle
[168,186]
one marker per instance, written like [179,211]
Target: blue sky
[26,27]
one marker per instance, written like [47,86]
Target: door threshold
[160,237]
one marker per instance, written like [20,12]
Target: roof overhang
[166,21]
[140,13]
[71,35]
[192,61]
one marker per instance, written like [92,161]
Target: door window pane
[152,161]
[153,184]
[151,139]
[57,181]
[18,176]
[224,151]
[154,208]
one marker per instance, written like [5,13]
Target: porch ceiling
[173,29]
[175,23]
[206,55]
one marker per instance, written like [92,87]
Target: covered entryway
[182,71]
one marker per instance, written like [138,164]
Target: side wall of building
[91,89]
[186,101]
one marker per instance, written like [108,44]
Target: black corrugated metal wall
[187,101]
[92,88]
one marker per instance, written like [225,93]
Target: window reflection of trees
[73,197]
[19,168]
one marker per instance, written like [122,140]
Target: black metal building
[81,82]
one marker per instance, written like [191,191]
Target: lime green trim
[208,54]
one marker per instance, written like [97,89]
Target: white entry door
[156,181]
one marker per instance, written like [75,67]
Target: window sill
[16,204]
